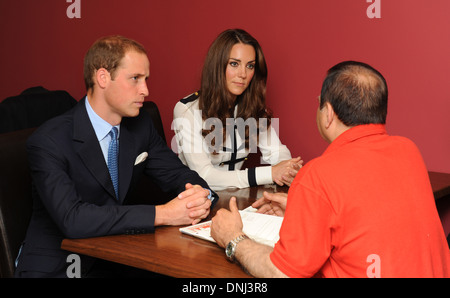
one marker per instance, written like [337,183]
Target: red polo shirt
[365,208]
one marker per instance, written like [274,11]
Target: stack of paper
[260,227]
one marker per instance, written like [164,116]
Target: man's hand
[189,207]
[284,172]
[226,224]
[254,257]
[271,203]
[196,201]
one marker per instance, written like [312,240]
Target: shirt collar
[101,127]
[355,133]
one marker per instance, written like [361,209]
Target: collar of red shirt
[356,132]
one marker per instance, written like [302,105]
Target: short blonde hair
[107,53]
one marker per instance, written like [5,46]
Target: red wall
[409,44]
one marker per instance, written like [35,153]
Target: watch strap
[239,238]
[233,244]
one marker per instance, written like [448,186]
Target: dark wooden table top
[169,252]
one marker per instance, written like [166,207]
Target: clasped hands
[284,172]
[189,207]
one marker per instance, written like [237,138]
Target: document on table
[262,228]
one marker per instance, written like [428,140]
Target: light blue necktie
[113,153]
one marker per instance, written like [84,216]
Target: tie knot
[113,133]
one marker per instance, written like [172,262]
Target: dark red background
[301,39]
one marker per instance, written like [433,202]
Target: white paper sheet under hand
[260,227]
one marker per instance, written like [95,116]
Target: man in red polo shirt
[365,208]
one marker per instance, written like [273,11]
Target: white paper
[261,228]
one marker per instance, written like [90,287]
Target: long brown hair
[215,99]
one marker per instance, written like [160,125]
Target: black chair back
[33,107]
[15,197]
[16,190]
[151,108]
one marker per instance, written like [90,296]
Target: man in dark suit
[80,182]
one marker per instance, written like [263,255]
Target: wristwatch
[230,250]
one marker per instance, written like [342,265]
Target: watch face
[229,250]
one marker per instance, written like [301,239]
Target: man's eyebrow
[139,75]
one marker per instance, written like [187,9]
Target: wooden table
[168,251]
[171,253]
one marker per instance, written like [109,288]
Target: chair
[151,108]
[15,197]
[33,107]
[16,191]
[443,207]
[147,191]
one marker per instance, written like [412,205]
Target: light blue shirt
[101,128]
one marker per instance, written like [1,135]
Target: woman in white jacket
[217,127]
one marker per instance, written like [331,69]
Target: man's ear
[330,114]
[102,77]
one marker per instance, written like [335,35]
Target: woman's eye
[251,66]
[234,63]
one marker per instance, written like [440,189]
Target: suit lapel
[88,148]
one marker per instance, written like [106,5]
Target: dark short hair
[357,92]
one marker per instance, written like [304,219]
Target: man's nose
[144,89]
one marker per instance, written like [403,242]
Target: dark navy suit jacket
[74,195]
